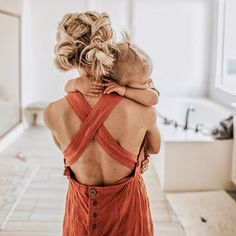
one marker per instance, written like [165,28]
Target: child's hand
[94,88]
[145,161]
[112,86]
[144,165]
[81,84]
[146,154]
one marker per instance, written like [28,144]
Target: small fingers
[98,84]
[145,166]
[145,161]
[91,94]
[109,89]
[93,90]
[109,84]
[143,170]
[97,87]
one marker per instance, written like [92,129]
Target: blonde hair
[85,39]
[132,62]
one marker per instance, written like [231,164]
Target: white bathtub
[190,161]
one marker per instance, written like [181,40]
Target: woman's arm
[153,141]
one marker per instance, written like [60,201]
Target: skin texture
[144,93]
[128,122]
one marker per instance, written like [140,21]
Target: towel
[224,130]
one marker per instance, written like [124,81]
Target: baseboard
[10,136]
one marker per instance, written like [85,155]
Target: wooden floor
[41,208]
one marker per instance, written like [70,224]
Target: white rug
[211,213]
[15,176]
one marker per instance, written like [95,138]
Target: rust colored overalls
[120,209]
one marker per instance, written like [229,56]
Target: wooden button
[94,214]
[93,192]
[94,226]
[94,203]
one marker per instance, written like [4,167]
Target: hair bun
[100,56]
[101,52]
[65,54]
[85,39]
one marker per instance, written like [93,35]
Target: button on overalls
[120,209]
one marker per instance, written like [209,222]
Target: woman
[102,138]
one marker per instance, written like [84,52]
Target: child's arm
[152,86]
[148,96]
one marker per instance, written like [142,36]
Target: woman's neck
[84,73]
[91,100]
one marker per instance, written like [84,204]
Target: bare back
[127,123]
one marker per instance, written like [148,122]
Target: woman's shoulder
[55,105]
[52,111]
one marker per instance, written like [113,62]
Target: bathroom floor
[40,209]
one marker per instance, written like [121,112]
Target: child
[145,95]
[131,64]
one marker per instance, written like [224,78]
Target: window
[226,47]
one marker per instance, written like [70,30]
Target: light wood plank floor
[41,208]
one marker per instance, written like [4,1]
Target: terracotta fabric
[120,209]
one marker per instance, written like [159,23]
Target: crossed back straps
[92,127]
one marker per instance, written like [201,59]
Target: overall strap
[82,108]
[91,121]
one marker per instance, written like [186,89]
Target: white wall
[215,93]
[26,46]
[119,12]
[174,32]
[43,82]
[177,37]
[9,90]
[13,6]
[9,60]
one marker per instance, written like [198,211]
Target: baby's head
[132,67]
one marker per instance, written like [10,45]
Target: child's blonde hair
[132,63]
